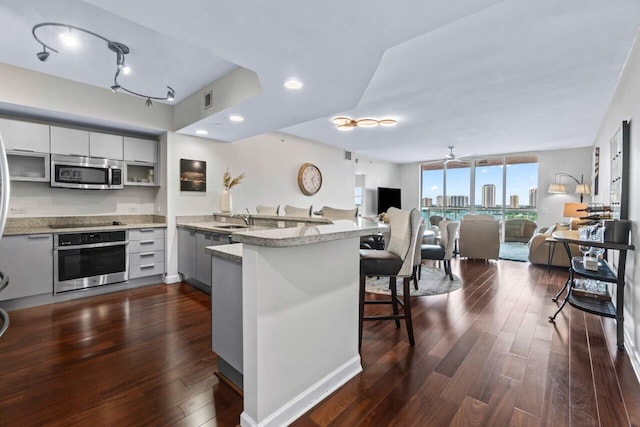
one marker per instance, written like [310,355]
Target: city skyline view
[521,178]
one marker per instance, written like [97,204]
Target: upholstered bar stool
[443,251]
[294,211]
[397,260]
[267,210]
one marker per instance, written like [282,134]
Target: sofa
[519,230]
[539,248]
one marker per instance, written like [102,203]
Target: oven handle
[90,246]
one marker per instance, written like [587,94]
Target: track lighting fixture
[119,49]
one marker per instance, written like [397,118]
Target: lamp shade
[557,188]
[571,210]
[583,189]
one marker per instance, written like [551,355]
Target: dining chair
[445,249]
[267,210]
[396,260]
[294,211]
[336,214]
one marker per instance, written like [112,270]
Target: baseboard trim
[306,400]
[632,352]
[174,278]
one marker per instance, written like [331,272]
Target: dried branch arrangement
[228,182]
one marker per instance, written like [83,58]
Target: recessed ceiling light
[293,84]
[201,132]
[235,118]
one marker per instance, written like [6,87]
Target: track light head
[43,56]
[115,88]
[171,94]
[148,103]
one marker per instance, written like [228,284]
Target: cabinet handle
[147,266]
[24,150]
[146,253]
[39,236]
[147,242]
[147,230]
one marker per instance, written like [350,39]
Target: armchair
[540,251]
[479,237]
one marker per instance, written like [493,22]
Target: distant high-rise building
[533,197]
[514,201]
[458,201]
[427,202]
[439,201]
[489,196]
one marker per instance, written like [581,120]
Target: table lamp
[573,211]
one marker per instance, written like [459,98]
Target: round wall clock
[309,179]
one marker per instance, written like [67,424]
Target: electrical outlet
[223,219]
[158,210]
[280,224]
[18,211]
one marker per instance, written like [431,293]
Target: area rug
[433,282]
[514,251]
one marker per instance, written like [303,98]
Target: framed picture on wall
[619,191]
[193,175]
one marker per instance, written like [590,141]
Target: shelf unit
[605,273]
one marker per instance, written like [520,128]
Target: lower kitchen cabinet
[193,261]
[28,261]
[146,252]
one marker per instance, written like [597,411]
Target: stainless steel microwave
[86,173]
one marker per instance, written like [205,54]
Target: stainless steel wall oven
[86,260]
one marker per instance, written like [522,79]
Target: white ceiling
[487,76]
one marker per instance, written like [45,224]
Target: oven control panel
[74,239]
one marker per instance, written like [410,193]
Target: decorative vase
[225,201]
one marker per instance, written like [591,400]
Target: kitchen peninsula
[299,314]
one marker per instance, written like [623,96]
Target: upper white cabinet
[105,145]
[67,141]
[24,136]
[140,150]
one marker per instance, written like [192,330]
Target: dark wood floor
[484,355]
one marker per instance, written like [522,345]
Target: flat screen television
[388,197]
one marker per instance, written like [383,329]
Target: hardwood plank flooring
[484,355]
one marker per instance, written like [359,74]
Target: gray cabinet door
[203,263]
[186,252]
[28,261]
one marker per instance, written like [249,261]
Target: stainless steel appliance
[86,260]
[5,186]
[86,173]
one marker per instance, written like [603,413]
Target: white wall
[411,185]
[625,106]
[575,162]
[271,163]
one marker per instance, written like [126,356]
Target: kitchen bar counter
[292,295]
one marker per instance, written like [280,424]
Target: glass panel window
[522,187]
[488,194]
[457,198]
[432,190]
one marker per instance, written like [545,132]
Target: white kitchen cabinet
[28,261]
[141,174]
[25,166]
[24,136]
[193,261]
[140,150]
[106,146]
[186,253]
[146,252]
[73,142]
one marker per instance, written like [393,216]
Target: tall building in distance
[427,202]
[489,196]
[514,201]
[439,201]
[458,201]
[533,197]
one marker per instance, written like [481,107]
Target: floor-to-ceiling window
[502,186]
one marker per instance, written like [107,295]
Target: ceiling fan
[450,157]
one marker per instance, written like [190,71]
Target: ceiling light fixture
[119,49]
[236,118]
[201,132]
[347,123]
[293,84]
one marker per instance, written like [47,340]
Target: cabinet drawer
[149,257]
[144,270]
[146,233]
[146,245]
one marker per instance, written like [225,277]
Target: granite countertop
[219,227]
[56,225]
[314,219]
[232,252]
[297,236]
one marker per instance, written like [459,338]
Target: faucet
[245,217]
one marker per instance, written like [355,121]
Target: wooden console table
[605,273]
